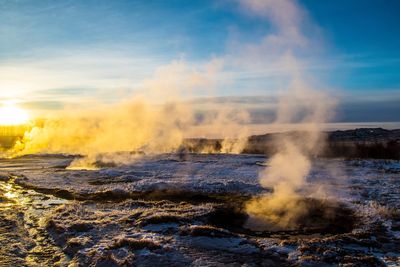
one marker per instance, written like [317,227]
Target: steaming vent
[318,217]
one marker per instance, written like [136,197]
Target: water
[23,238]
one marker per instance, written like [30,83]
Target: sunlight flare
[12,115]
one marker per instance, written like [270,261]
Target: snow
[158,205]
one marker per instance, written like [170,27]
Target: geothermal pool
[188,210]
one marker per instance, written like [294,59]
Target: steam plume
[300,103]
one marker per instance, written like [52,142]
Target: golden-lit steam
[127,127]
[154,120]
[118,133]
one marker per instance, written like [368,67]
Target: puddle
[24,210]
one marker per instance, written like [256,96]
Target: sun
[11,115]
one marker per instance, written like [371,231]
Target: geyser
[300,103]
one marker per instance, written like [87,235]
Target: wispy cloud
[74,74]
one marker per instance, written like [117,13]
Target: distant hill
[358,143]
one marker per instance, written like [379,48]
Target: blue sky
[57,52]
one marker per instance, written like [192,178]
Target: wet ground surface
[173,211]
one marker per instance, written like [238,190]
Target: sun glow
[11,115]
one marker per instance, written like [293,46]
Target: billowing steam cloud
[300,103]
[125,127]
[153,121]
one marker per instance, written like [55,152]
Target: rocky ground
[170,210]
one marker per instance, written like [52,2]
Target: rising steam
[287,170]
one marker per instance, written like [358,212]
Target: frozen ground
[173,210]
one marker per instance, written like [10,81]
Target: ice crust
[155,212]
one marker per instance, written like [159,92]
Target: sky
[55,54]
